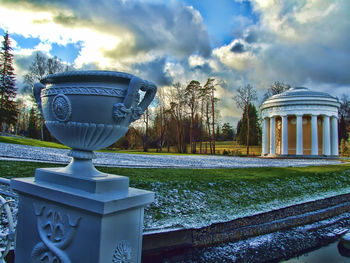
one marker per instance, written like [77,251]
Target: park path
[40,154]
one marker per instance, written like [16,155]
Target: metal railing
[5,189]
[7,233]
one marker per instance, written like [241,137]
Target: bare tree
[161,120]
[39,68]
[209,91]
[245,96]
[176,98]
[276,88]
[145,137]
[55,65]
[192,92]
[208,130]
[344,115]
[344,109]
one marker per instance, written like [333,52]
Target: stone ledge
[158,245]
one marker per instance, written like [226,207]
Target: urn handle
[121,110]
[37,94]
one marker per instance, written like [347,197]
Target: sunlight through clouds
[42,25]
[263,41]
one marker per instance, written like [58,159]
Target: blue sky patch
[25,42]
[220,18]
[67,53]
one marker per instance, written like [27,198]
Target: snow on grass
[197,204]
[193,198]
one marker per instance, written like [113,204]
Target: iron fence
[8,214]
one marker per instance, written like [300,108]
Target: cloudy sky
[300,42]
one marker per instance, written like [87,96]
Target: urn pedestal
[76,213]
[97,221]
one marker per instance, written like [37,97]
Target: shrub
[226,152]
[236,153]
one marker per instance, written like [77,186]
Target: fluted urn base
[81,168]
[84,138]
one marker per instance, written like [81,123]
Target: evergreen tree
[238,129]
[227,132]
[254,131]
[8,107]
[218,136]
[343,133]
[32,125]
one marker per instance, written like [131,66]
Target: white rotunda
[301,122]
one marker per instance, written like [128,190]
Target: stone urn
[90,110]
[76,213]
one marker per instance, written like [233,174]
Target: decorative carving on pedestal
[123,252]
[56,231]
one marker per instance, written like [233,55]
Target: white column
[272,136]
[326,136]
[299,134]
[264,138]
[335,146]
[314,135]
[284,134]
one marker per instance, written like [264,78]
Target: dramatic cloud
[296,42]
[113,34]
[238,48]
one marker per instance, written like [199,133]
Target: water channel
[332,253]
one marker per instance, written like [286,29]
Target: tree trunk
[213,119]
[42,128]
[248,130]
[2,104]
[201,130]
[145,138]
[208,128]
[162,130]
[178,136]
[191,132]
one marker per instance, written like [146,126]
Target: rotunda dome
[302,100]
[301,92]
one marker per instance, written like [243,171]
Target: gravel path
[31,153]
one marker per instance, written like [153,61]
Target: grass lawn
[39,143]
[230,146]
[31,142]
[199,197]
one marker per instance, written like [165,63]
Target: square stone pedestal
[64,218]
